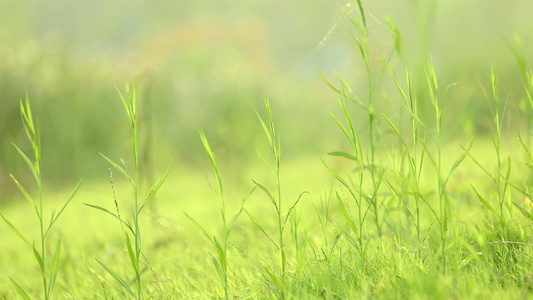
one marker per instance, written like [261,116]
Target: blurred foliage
[209,64]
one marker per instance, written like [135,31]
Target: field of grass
[397,183]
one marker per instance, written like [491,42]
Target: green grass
[48,268]
[398,210]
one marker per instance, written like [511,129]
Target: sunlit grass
[399,210]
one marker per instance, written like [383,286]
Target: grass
[405,212]
[48,269]
[131,227]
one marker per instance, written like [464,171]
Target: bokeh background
[209,65]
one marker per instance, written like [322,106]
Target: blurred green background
[210,64]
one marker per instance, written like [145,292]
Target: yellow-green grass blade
[107,211]
[20,290]
[54,269]
[54,219]
[117,277]
[15,230]
[30,164]
[24,192]
[131,254]
[345,214]
[199,227]
[39,260]
[119,168]
[156,187]
[261,228]
[343,154]
[269,195]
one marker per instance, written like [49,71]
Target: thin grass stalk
[48,277]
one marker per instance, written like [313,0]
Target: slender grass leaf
[30,164]
[482,167]
[266,131]
[137,237]
[107,211]
[24,192]
[485,202]
[336,175]
[525,148]
[219,270]
[459,161]
[526,213]
[361,11]
[241,209]
[39,260]
[119,168]
[156,187]
[269,195]
[261,228]
[267,166]
[274,278]
[20,290]
[53,220]
[348,136]
[199,227]
[131,254]
[352,242]
[343,154]
[121,281]
[54,269]
[345,214]
[221,255]
[292,207]
[16,231]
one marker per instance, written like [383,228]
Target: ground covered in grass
[484,258]
[416,186]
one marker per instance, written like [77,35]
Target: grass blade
[30,164]
[20,290]
[107,211]
[119,168]
[133,259]
[267,193]
[199,227]
[220,272]
[24,192]
[343,154]
[345,214]
[15,230]
[221,255]
[121,281]
[54,269]
[261,228]
[156,187]
[459,161]
[39,259]
[526,213]
[54,219]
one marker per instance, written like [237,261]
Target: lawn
[402,177]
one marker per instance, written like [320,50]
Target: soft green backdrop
[209,64]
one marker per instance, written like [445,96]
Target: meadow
[397,169]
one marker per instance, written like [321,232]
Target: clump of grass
[500,179]
[49,268]
[436,160]
[131,228]
[221,262]
[527,80]
[274,139]
[420,133]
[361,39]
[414,153]
[366,201]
